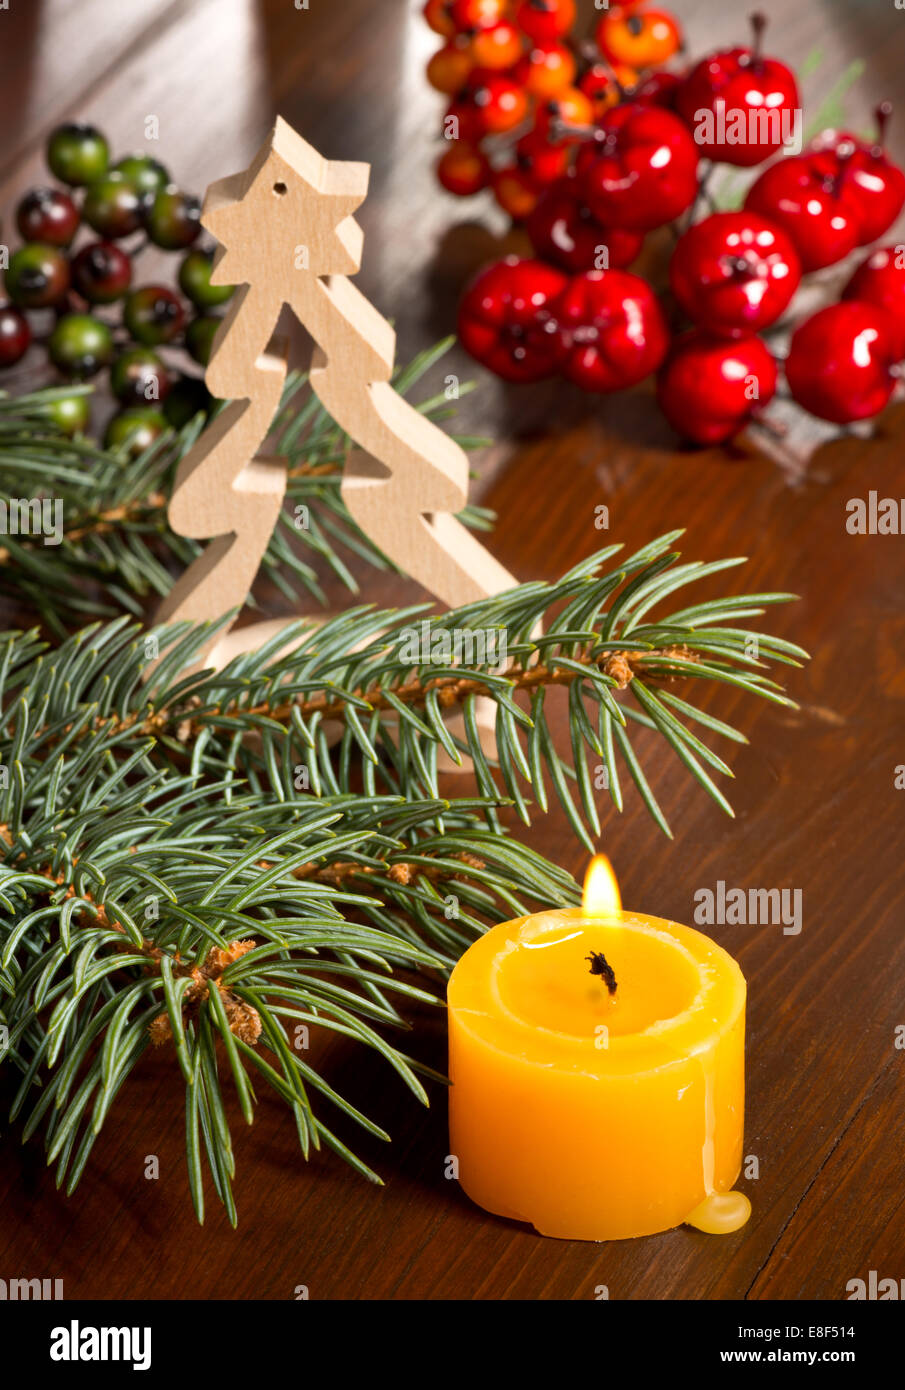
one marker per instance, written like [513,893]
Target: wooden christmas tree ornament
[288,237]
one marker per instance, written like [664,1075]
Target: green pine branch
[601,632]
[190,859]
[138,909]
[118,552]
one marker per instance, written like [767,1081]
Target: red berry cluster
[641,164]
[75,268]
[509,64]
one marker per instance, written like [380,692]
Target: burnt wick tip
[601,966]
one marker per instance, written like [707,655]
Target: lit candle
[596,1060]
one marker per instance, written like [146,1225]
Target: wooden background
[815,798]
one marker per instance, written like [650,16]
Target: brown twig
[244,1020]
[620,666]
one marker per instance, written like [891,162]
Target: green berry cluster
[74,273]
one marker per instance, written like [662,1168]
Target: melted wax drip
[721,1213]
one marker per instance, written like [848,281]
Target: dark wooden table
[817,808]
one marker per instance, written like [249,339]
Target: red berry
[547,69]
[449,68]
[759,103]
[498,47]
[436,12]
[541,159]
[500,102]
[477,14]
[515,191]
[15,336]
[867,181]
[839,361]
[646,168]
[880,280]
[800,194]
[463,169]
[605,85]
[505,320]
[612,329]
[463,121]
[640,40]
[563,230]
[734,273]
[709,386]
[101,272]
[568,108]
[658,89]
[545,19]
[47,215]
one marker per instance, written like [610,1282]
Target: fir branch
[265,719]
[166,875]
[118,552]
[158,916]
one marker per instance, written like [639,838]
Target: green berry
[113,206]
[77,154]
[37,276]
[138,376]
[188,397]
[199,337]
[145,173]
[80,345]
[70,414]
[153,315]
[137,426]
[174,219]
[195,281]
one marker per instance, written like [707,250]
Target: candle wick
[601,966]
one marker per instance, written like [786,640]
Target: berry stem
[600,60]
[882,115]
[758,25]
[844,151]
[560,129]
[702,194]
[776,429]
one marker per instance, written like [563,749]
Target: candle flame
[601,889]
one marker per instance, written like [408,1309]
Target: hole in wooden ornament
[280,189]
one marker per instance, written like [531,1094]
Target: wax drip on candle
[720,1214]
[708,1148]
[601,966]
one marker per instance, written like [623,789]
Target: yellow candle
[596,1060]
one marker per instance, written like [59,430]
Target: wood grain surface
[816,805]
